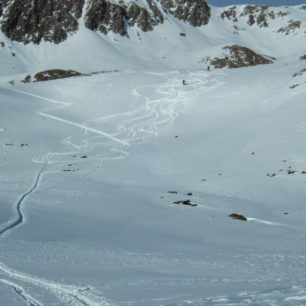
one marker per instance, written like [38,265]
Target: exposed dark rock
[258,14]
[271,175]
[293,25]
[230,14]
[194,12]
[105,16]
[303,57]
[291,171]
[75,7]
[294,86]
[238,56]
[52,20]
[301,72]
[54,74]
[139,16]
[238,217]
[186,202]
[282,14]
[31,21]
[27,79]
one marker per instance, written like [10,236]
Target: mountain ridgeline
[51,20]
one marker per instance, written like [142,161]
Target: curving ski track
[136,127]
[20,214]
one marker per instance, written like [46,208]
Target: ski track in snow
[136,127]
[28,299]
[291,295]
[19,208]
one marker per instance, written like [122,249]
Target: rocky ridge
[33,21]
[263,16]
[239,56]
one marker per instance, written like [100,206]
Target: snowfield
[91,167]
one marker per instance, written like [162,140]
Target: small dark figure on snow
[184,82]
[208,68]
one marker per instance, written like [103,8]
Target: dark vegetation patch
[186,202]
[183,34]
[238,217]
[303,57]
[238,56]
[84,156]
[293,25]
[172,192]
[303,7]
[294,86]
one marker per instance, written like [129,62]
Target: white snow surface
[87,163]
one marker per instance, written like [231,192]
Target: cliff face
[196,13]
[51,20]
[34,20]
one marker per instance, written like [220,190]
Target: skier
[208,68]
[184,82]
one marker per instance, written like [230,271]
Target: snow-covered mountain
[120,185]
[100,35]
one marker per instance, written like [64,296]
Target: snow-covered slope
[91,168]
[173,44]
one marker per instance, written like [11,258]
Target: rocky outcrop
[105,16]
[292,26]
[53,20]
[254,14]
[195,12]
[258,14]
[238,56]
[31,21]
[138,16]
[230,14]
